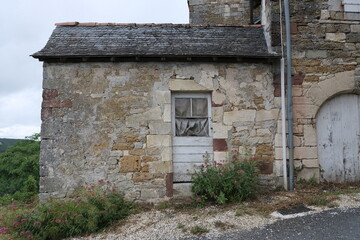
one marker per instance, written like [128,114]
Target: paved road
[328,225]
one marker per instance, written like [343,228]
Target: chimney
[226,12]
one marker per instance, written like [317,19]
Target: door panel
[190,146]
[338,132]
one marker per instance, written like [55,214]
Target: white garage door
[338,131]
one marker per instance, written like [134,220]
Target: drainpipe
[289,95]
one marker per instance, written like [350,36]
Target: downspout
[289,95]
[283,104]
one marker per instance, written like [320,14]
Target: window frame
[206,95]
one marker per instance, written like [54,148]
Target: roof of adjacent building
[94,40]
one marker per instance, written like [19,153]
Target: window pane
[192,127]
[199,107]
[182,107]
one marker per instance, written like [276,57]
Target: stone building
[140,104]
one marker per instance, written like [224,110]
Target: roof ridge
[93,24]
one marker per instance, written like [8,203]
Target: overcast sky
[25,27]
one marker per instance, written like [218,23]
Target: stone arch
[305,112]
[320,92]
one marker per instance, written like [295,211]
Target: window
[192,115]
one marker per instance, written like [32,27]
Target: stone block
[158,141]
[310,137]
[130,164]
[166,154]
[163,97]
[220,130]
[335,37]
[220,156]
[324,15]
[167,113]
[142,177]
[239,116]
[355,28]
[267,115]
[308,173]
[314,54]
[152,114]
[161,167]
[278,153]
[186,85]
[305,111]
[310,163]
[218,98]
[217,114]
[305,152]
[147,194]
[264,149]
[317,95]
[160,128]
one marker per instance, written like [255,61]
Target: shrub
[17,163]
[90,210]
[223,182]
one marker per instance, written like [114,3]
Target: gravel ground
[170,224]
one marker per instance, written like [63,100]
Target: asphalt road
[328,225]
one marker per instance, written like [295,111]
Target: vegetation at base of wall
[222,182]
[88,211]
[19,166]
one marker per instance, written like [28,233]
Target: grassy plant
[91,210]
[223,182]
[198,230]
[243,210]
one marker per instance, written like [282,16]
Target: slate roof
[93,40]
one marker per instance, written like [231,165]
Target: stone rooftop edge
[93,24]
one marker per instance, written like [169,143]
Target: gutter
[289,95]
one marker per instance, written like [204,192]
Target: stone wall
[326,47]
[112,121]
[228,12]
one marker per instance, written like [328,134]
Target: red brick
[266,167]
[169,179]
[49,94]
[293,28]
[56,104]
[67,24]
[220,145]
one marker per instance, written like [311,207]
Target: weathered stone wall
[326,44]
[228,12]
[112,121]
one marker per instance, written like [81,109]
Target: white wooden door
[338,132]
[192,137]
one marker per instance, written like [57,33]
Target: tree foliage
[18,163]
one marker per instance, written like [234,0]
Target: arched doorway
[338,134]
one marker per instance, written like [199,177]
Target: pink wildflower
[78,199]
[100,180]
[36,223]
[198,199]
[107,181]
[253,157]
[241,171]
[16,223]
[23,220]
[219,164]
[22,233]
[30,237]
[58,220]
